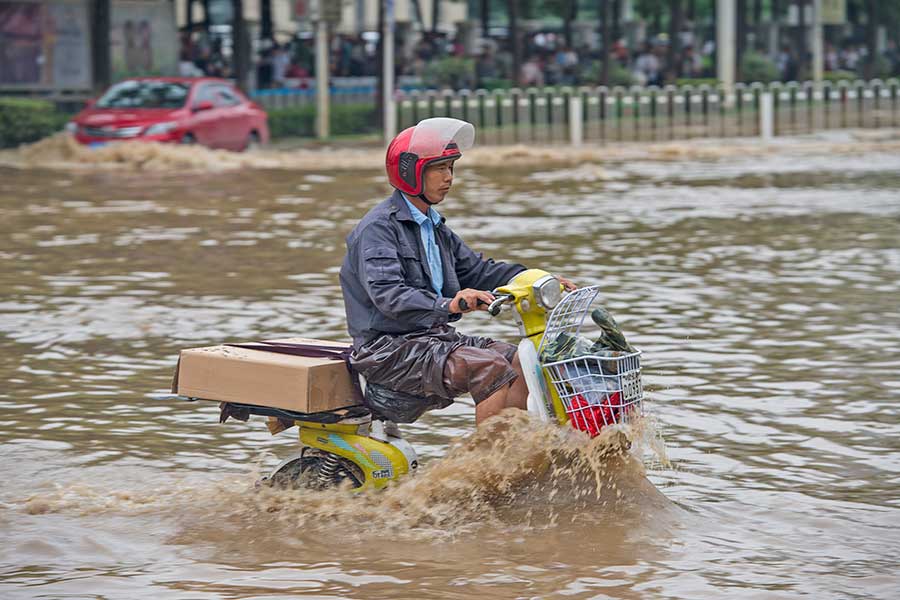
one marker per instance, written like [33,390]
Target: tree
[418,8]
[741,35]
[570,13]
[616,19]
[654,10]
[206,22]
[189,16]
[265,19]
[515,45]
[567,10]
[379,75]
[241,44]
[100,45]
[871,38]
[605,35]
[676,16]
[801,39]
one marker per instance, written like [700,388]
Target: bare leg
[514,395]
[518,390]
[491,405]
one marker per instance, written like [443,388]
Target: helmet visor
[431,136]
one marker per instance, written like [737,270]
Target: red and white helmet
[432,140]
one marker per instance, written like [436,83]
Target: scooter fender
[380,462]
[538,398]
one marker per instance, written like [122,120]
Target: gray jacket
[386,280]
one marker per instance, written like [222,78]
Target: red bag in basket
[589,417]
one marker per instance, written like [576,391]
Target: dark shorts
[438,364]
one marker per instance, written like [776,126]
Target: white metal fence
[601,115]
[342,90]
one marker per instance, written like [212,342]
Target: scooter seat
[242,412]
[399,407]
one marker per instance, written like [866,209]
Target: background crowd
[438,60]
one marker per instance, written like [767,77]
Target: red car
[182,110]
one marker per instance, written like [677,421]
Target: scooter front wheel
[319,470]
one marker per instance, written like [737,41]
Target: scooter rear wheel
[316,471]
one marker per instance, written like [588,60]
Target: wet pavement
[762,287]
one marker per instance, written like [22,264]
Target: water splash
[61,151]
[512,470]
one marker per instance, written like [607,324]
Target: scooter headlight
[548,291]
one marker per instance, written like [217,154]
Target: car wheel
[188,139]
[253,142]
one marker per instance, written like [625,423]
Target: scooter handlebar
[464,306]
[493,308]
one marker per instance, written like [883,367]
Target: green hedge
[618,75]
[697,81]
[452,72]
[835,76]
[756,67]
[300,121]
[23,120]
[495,83]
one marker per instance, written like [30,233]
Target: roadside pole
[322,117]
[576,119]
[766,115]
[726,24]
[390,111]
[818,49]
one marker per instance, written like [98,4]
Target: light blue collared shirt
[427,223]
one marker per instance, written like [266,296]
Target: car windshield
[145,94]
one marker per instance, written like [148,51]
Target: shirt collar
[417,215]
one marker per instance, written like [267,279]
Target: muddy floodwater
[763,286]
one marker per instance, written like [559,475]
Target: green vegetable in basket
[608,367]
[611,338]
[559,349]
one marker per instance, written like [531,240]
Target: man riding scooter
[407,276]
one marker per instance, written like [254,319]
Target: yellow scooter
[588,387]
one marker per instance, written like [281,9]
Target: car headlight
[159,128]
[548,291]
[72,127]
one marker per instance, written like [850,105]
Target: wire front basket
[598,387]
[569,314]
[598,390]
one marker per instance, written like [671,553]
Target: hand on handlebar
[468,300]
[568,284]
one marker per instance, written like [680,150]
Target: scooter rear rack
[240,411]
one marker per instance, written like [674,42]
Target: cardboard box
[297,383]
